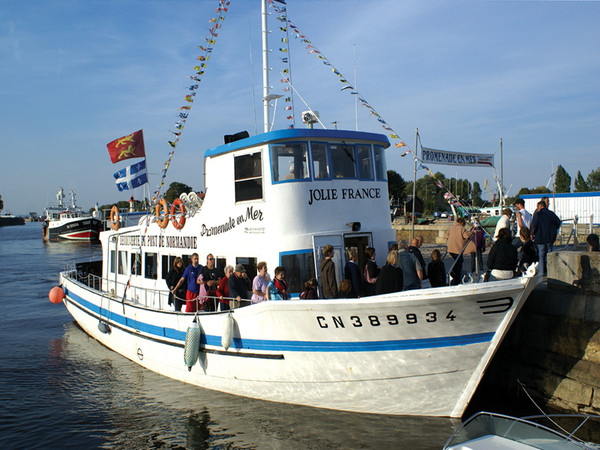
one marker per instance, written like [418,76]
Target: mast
[501,176]
[265,59]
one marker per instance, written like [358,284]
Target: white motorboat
[486,430]
[280,197]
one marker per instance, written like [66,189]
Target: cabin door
[359,243]
[337,242]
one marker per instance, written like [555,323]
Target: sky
[76,75]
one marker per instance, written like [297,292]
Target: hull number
[386,320]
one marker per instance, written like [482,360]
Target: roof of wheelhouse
[294,133]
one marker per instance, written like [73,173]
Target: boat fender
[178,203]
[115,218]
[104,327]
[227,337]
[192,344]
[56,294]
[165,219]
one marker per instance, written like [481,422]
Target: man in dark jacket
[544,227]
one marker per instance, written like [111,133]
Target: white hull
[361,355]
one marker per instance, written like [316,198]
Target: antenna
[252,78]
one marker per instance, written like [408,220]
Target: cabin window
[320,161]
[248,177]
[299,268]
[167,264]
[122,262]
[150,265]
[249,264]
[365,162]
[343,160]
[187,260]
[136,263]
[289,162]
[380,169]
[113,261]
[221,262]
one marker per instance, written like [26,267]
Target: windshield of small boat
[512,428]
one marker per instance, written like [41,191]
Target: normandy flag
[127,147]
[131,177]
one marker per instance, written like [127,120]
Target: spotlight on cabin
[354,226]
[310,117]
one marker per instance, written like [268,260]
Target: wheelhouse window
[248,177]
[380,169]
[343,160]
[289,162]
[365,162]
[299,268]
[320,161]
[150,265]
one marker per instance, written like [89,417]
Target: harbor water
[59,388]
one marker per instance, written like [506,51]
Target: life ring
[179,225]
[115,218]
[165,220]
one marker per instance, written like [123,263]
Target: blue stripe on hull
[291,346]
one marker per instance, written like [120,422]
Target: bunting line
[312,49]
[183,111]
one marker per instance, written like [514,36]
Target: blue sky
[77,74]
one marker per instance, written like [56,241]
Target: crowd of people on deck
[208,288]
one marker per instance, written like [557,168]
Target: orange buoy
[56,294]
[165,213]
[115,218]
[178,203]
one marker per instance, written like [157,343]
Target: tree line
[433,199]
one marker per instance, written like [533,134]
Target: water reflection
[143,409]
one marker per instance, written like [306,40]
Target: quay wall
[553,348]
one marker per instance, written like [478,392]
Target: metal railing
[149,298]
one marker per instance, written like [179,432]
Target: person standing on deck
[503,222]
[415,243]
[523,220]
[352,273]
[190,276]
[211,277]
[327,267]
[412,271]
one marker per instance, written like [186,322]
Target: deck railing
[150,298]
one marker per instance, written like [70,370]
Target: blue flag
[132,176]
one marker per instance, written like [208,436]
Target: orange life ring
[165,220]
[179,225]
[115,218]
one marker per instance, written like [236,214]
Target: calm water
[61,389]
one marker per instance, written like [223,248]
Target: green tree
[541,190]
[175,190]
[396,186]
[476,194]
[593,180]
[562,180]
[580,184]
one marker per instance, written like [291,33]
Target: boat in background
[70,223]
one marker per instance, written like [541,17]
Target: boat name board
[317,195]
[152,240]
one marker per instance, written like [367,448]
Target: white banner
[433,156]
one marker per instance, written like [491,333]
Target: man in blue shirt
[190,276]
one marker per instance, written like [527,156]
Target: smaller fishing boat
[486,430]
[70,223]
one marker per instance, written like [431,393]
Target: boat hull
[79,229]
[411,353]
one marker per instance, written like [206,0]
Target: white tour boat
[280,197]
[64,223]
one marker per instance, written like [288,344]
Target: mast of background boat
[265,59]
[356,88]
